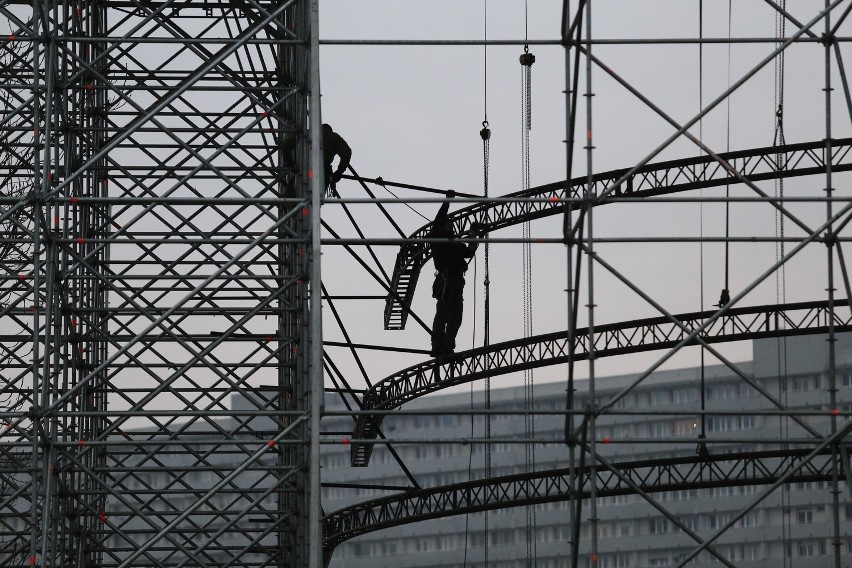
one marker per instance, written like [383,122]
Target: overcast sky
[413,114]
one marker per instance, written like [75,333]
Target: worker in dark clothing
[451,260]
[334,145]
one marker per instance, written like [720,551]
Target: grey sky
[413,114]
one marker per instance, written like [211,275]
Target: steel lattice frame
[160,254]
[590,473]
[159,240]
[650,476]
[611,340]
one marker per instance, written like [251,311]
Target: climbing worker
[334,145]
[450,265]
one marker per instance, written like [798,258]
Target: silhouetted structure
[334,146]
[448,289]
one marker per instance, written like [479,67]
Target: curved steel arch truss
[650,180]
[650,334]
[651,476]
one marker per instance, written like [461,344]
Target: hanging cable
[485,134]
[725,296]
[701,450]
[395,196]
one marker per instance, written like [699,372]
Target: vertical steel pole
[589,202]
[315,371]
[35,46]
[828,41]
[568,235]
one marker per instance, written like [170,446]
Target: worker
[333,145]
[451,260]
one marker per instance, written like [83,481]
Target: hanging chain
[527,59]
[485,133]
[780,275]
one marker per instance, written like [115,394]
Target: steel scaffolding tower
[159,244]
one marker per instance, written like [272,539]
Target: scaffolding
[159,240]
[811,444]
[163,353]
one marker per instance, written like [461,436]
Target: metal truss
[591,475]
[160,187]
[774,162]
[737,324]
[648,476]
[157,207]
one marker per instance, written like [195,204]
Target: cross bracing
[633,184]
[156,178]
[182,249]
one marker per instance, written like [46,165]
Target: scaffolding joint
[828,39]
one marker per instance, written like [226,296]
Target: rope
[405,203]
[780,275]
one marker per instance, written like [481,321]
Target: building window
[720,423]
[616,560]
[807,548]
[801,384]
[747,423]
[684,395]
[621,499]
[660,429]
[660,397]
[685,427]
[715,522]
[750,552]
[749,520]
[723,392]
[424,422]
[659,525]
[690,522]
[805,516]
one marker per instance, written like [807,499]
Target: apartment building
[793,525]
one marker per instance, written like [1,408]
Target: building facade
[660,418]
[441,440]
